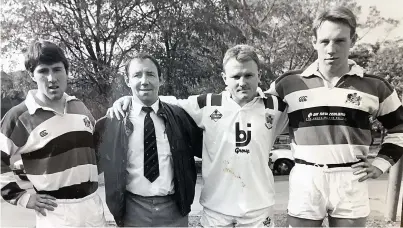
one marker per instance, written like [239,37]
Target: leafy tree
[96,34]
[188,37]
[388,63]
[384,60]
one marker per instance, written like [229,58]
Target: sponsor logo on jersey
[269,121]
[326,116]
[353,98]
[303,98]
[216,115]
[43,133]
[242,138]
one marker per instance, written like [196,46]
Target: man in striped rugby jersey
[329,105]
[53,134]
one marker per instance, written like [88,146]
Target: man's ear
[353,40]
[162,80]
[32,76]
[259,76]
[126,78]
[313,41]
[224,77]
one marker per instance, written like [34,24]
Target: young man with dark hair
[52,132]
[148,158]
[329,105]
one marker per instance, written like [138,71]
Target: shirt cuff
[23,200]
[381,164]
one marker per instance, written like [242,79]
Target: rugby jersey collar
[32,105]
[355,69]
[259,92]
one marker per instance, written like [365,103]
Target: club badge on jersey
[269,121]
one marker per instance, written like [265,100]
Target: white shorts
[317,191]
[258,218]
[84,212]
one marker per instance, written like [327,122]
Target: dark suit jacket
[185,140]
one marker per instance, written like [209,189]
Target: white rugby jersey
[236,146]
[331,125]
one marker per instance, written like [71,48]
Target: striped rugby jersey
[236,146]
[331,124]
[57,150]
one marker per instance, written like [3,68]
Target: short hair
[241,53]
[339,14]
[44,52]
[142,56]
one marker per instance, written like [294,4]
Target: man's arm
[192,106]
[13,135]
[98,133]
[120,106]
[194,133]
[11,138]
[282,123]
[390,114]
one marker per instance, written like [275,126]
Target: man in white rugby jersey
[239,128]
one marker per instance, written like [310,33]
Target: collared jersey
[330,124]
[57,150]
[136,182]
[236,146]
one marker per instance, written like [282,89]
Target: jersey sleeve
[193,106]
[390,114]
[280,106]
[12,136]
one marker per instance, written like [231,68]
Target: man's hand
[366,167]
[119,108]
[40,202]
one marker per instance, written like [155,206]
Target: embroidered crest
[87,122]
[216,115]
[354,99]
[269,121]
[267,222]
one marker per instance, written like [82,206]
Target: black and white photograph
[201,113]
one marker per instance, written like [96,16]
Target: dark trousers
[152,211]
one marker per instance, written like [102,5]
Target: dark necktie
[151,167]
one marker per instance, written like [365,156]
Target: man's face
[333,43]
[242,79]
[51,80]
[143,80]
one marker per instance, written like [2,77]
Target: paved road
[12,216]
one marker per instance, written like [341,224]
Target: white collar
[33,105]
[137,105]
[355,69]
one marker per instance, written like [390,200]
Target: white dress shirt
[136,182]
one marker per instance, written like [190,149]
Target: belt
[349,164]
[151,199]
